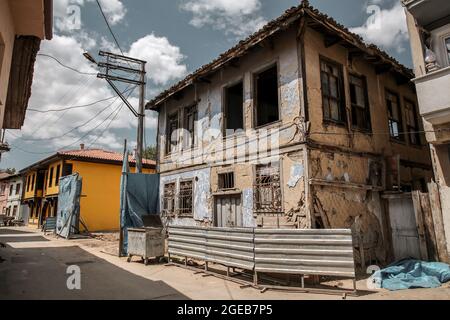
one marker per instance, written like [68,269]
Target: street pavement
[30,269]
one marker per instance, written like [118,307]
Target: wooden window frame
[57,174]
[400,121]
[255,75]
[275,186]
[172,198]
[182,199]
[366,109]
[340,90]
[50,177]
[412,130]
[189,110]
[229,177]
[168,132]
[225,105]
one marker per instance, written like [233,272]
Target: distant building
[4,190]
[23,24]
[429,30]
[14,206]
[100,171]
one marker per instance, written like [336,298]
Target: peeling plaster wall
[201,196]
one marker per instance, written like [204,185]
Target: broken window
[267,189]
[412,123]
[394,115]
[333,103]
[185,198]
[360,104]
[172,133]
[169,199]
[234,104]
[226,181]
[190,116]
[267,97]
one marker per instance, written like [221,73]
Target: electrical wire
[109,27]
[66,66]
[75,107]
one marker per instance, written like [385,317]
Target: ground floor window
[267,189]
[185,198]
[169,199]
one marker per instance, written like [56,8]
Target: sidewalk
[197,286]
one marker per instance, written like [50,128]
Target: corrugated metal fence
[293,251]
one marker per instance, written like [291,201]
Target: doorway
[228,211]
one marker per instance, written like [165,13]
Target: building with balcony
[100,171]
[23,25]
[429,29]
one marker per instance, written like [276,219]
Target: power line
[75,107]
[109,27]
[65,66]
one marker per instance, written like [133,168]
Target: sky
[175,38]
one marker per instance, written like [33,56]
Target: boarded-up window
[394,115]
[266,85]
[412,123]
[233,113]
[267,189]
[360,105]
[333,102]
[169,199]
[172,133]
[226,180]
[190,116]
[185,198]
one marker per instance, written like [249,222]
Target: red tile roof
[100,154]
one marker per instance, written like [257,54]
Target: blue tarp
[409,274]
[67,216]
[139,196]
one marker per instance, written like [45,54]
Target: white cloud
[69,18]
[235,17]
[164,60]
[386,28]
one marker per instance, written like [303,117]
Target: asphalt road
[40,273]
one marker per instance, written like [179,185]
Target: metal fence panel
[308,252]
[187,242]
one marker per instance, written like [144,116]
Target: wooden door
[228,211]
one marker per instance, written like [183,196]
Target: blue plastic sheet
[67,216]
[139,197]
[409,274]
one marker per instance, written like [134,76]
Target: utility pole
[121,68]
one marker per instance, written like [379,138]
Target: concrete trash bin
[146,243]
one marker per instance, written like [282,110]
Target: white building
[14,207]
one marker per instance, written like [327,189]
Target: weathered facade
[299,126]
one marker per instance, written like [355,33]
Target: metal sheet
[316,252]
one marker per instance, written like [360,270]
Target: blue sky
[175,37]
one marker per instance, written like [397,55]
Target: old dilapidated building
[301,125]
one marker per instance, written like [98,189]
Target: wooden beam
[331,40]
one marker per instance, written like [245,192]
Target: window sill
[269,125]
[328,122]
[364,131]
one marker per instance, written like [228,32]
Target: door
[405,236]
[228,211]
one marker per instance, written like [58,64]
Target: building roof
[4,175]
[91,155]
[318,21]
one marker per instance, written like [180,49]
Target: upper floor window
[58,173]
[333,102]
[266,93]
[2,188]
[11,189]
[50,179]
[360,105]
[172,133]
[233,112]
[412,123]
[33,179]
[190,116]
[18,188]
[447,47]
[394,116]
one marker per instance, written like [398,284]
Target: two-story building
[100,171]
[4,190]
[14,206]
[429,29]
[301,125]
